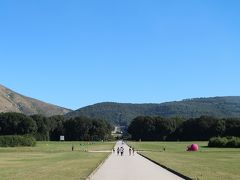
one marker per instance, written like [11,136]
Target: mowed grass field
[208,163]
[52,160]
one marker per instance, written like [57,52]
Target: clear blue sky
[75,53]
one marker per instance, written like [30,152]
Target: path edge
[167,168]
[98,167]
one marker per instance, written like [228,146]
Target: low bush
[233,142]
[15,141]
[224,142]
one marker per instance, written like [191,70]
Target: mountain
[122,113]
[11,101]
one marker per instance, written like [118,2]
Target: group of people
[131,151]
[120,150]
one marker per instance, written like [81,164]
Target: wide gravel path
[134,167]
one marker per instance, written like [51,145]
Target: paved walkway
[131,168]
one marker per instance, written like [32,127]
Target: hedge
[15,141]
[224,142]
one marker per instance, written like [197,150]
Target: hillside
[11,101]
[121,113]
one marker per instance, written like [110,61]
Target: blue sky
[76,53]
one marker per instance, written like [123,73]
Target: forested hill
[121,113]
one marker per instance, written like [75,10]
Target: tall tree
[16,124]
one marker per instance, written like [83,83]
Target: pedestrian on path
[118,150]
[122,151]
[130,151]
[133,151]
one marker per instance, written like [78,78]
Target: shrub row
[15,140]
[224,142]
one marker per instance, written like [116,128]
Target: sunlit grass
[208,163]
[52,160]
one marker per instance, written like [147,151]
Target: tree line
[51,128]
[177,129]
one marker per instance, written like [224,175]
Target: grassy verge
[208,163]
[52,160]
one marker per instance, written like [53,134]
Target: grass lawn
[52,160]
[208,163]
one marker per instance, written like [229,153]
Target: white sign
[61,138]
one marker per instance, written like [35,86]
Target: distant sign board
[62,138]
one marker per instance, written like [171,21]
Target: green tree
[43,127]
[16,124]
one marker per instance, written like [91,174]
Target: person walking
[118,150]
[122,151]
[133,151]
[130,151]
